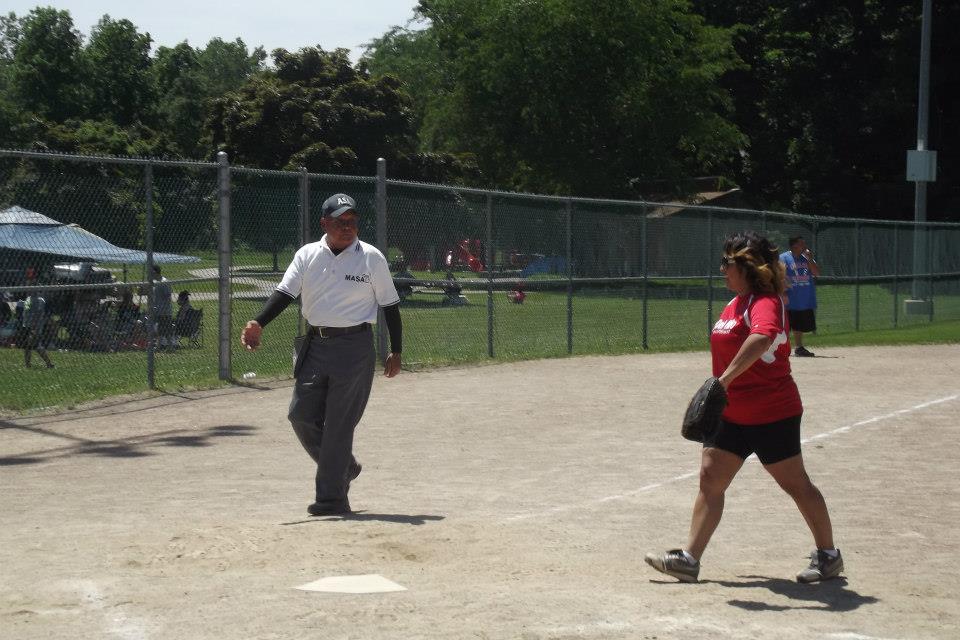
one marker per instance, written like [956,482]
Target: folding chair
[190,327]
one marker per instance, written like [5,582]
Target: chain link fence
[132,274]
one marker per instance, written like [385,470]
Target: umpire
[341,281]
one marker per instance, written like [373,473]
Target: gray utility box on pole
[921,165]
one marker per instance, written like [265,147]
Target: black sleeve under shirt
[392,316]
[277,302]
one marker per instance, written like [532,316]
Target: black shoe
[353,471]
[803,353]
[337,508]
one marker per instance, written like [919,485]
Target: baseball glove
[703,413]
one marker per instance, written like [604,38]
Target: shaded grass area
[942,332]
[605,321]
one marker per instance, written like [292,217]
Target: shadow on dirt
[123,405]
[133,447]
[832,595]
[360,516]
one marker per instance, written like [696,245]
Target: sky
[290,24]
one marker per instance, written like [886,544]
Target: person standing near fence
[5,313]
[34,322]
[163,310]
[750,350]
[342,281]
[801,270]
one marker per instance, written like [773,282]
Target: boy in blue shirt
[801,270]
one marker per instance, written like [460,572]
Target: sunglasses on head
[726,261]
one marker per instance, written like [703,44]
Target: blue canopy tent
[30,239]
[25,230]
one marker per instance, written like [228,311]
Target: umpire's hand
[391,366]
[250,337]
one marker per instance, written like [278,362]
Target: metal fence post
[304,206]
[643,267]
[489,255]
[816,247]
[896,272]
[856,277]
[148,276]
[304,231]
[709,273]
[381,205]
[382,245]
[569,217]
[929,263]
[225,256]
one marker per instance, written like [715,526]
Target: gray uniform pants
[329,397]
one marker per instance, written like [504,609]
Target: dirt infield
[512,501]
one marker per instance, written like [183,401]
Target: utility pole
[921,169]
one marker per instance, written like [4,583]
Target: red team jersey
[766,391]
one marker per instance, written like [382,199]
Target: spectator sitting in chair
[452,291]
[403,290]
[183,311]
[128,312]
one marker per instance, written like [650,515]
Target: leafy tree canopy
[318,111]
[829,101]
[569,97]
[187,79]
[47,71]
[117,61]
[807,105]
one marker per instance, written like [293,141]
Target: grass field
[604,322]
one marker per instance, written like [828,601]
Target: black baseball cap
[337,205]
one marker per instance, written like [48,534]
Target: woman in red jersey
[750,351]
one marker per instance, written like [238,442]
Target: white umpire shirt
[339,290]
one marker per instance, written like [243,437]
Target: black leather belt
[332,332]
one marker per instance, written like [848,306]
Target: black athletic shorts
[772,442]
[804,320]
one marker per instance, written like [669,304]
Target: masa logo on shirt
[363,277]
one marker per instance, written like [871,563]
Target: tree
[414,57]
[117,61]
[187,79]
[224,66]
[318,111]
[828,101]
[47,74]
[10,114]
[9,35]
[570,97]
[314,109]
[180,97]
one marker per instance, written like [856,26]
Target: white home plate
[371,583]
